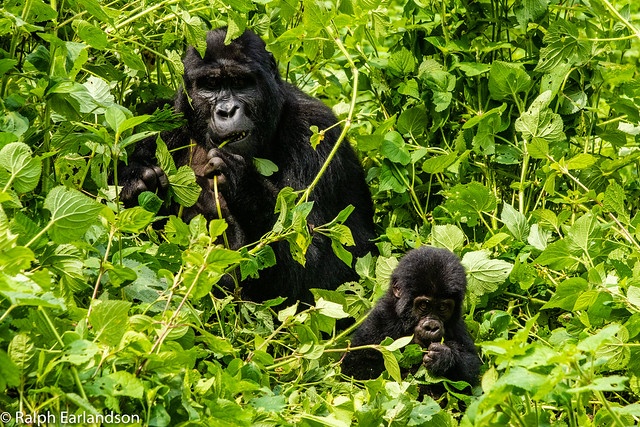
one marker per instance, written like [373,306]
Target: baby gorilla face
[432,315]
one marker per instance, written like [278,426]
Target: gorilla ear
[397,289]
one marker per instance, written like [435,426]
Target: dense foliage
[507,131]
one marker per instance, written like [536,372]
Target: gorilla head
[233,95]
[429,286]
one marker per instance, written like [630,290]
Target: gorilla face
[233,94]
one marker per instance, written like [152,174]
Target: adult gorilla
[238,108]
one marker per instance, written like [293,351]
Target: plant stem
[347,124]
[74,371]
[617,14]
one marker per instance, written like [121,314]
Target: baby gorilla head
[428,286]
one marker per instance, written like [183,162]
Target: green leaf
[399,343]
[466,202]
[90,34]
[530,11]
[484,275]
[567,293]
[439,164]
[265,167]
[615,201]
[447,236]
[184,186]
[540,122]
[516,222]
[80,352]
[580,161]
[558,256]
[394,148]
[109,320]
[134,220]
[21,351]
[9,372]
[564,46]
[331,309]
[507,80]
[132,122]
[115,117]
[412,121]
[17,158]
[71,214]
[391,364]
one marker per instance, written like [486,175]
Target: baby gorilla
[423,300]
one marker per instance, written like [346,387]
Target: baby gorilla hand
[139,178]
[228,169]
[438,359]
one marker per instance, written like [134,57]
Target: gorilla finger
[149,178]
[215,166]
[163,180]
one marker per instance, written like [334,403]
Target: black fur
[236,88]
[424,272]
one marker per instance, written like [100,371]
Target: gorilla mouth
[234,137]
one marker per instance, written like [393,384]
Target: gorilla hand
[229,170]
[438,359]
[138,178]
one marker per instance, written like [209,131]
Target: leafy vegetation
[507,132]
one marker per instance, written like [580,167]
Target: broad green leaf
[115,117]
[466,202]
[21,351]
[109,320]
[9,372]
[331,309]
[567,293]
[184,186]
[265,167]
[539,121]
[80,352]
[484,275]
[538,237]
[22,290]
[447,236]
[602,337]
[439,164]
[580,161]
[402,62]
[391,364]
[132,122]
[391,178]
[516,222]
[564,46]
[394,148]
[134,220]
[584,235]
[90,34]
[558,256]
[399,343]
[530,11]
[71,214]
[507,80]
[24,169]
[538,148]
[615,201]
[412,121]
